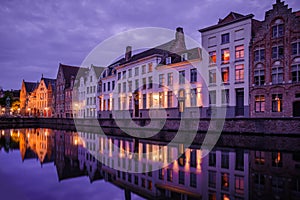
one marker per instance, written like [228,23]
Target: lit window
[225,181]
[239,73]
[161,99]
[239,52]
[276,102]
[225,38]
[260,103]
[170,99]
[225,74]
[212,57]
[225,56]
[259,157]
[239,184]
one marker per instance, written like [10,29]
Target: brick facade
[274,90]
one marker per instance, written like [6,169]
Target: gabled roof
[69,72]
[98,70]
[30,86]
[49,81]
[232,17]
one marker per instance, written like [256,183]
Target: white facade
[228,73]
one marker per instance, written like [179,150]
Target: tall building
[275,64]
[227,44]
[26,93]
[64,88]
[162,78]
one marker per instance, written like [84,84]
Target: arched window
[277,73]
[278,28]
[259,74]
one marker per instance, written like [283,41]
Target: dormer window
[278,29]
[184,57]
[168,60]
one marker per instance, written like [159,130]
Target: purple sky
[35,36]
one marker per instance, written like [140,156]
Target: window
[296,48]
[225,38]
[119,87]
[168,60]
[150,82]
[123,74]
[296,73]
[259,179]
[184,57]
[260,103]
[104,87]
[129,73]
[136,180]
[144,83]
[161,80]
[212,57]
[170,99]
[225,160]
[239,52]
[193,157]
[144,101]
[161,99]
[181,77]
[212,76]
[212,97]
[137,84]
[259,55]
[150,67]
[259,75]
[239,73]
[149,185]
[170,79]
[193,97]
[108,86]
[212,41]
[124,87]
[113,85]
[276,102]
[170,175]
[239,184]
[239,160]
[277,52]
[193,75]
[259,157]
[225,181]
[181,177]
[143,183]
[212,179]
[119,75]
[136,71]
[161,173]
[193,180]
[239,34]
[277,74]
[150,99]
[225,96]
[225,56]
[212,159]
[129,86]
[143,69]
[91,79]
[225,74]
[277,30]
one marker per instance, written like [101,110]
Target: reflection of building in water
[221,175]
[67,155]
[9,139]
[37,143]
[274,175]
[226,174]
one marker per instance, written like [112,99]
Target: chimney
[128,53]
[179,33]
[179,40]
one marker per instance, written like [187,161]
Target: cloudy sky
[37,35]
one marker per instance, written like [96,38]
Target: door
[239,109]
[136,104]
[296,109]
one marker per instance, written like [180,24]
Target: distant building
[26,96]
[227,44]
[275,64]
[162,78]
[64,87]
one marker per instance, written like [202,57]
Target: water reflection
[225,173]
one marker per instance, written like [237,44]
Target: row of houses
[245,68]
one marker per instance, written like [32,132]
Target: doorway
[239,109]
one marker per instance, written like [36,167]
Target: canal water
[41,163]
